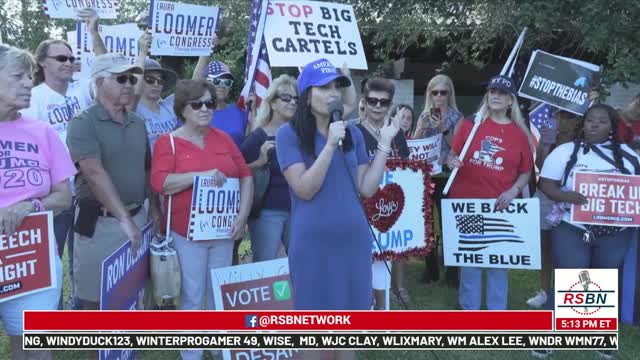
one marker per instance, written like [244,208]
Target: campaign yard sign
[68,9]
[428,150]
[213,209]
[122,282]
[299,32]
[122,38]
[28,258]
[263,285]
[475,234]
[614,199]
[182,29]
[559,81]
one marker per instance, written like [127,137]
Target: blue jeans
[470,290]
[571,252]
[268,231]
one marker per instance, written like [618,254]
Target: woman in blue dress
[330,245]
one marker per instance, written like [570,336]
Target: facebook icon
[251,321]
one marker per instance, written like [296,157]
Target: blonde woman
[497,166]
[269,221]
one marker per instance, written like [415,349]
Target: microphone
[585,280]
[336,109]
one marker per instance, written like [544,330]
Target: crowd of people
[110,150]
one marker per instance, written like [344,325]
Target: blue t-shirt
[277,195]
[158,123]
[232,120]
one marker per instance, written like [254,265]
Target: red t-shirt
[497,156]
[220,152]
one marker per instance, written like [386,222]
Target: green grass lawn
[424,297]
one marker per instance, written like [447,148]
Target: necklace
[375,131]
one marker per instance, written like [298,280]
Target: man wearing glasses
[55,99]
[109,145]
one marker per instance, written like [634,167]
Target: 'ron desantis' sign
[559,81]
[614,199]
[475,234]
[428,150]
[27,258]
[182,29]
[68,9]
[213,209]
[299,32]
[263,285]
[122,39]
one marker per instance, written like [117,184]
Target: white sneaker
[541,353]
[538,300]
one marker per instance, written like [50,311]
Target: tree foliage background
[605,32]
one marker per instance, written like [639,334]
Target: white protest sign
[213,209]
[121,39]
[182,29]
[68,9]
[72,39]
[428,150]
[476,235]
[299,32]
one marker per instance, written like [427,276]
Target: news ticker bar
[288,320]
[297,341]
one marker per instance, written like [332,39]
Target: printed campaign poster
[123,280]
[427,150]
[559,81]
[28,258]
[213,209]
[182,29]
[614,199]
[72,39]
[68,9]
[299,32]
[475,234]
[263,285]
[398,214]
[121,39]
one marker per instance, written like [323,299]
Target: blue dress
[330,241]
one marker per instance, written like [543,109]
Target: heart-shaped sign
[385,207]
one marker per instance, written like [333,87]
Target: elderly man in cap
[110,148]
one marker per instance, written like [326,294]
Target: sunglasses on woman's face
[287,98]
[439,92]
[122,79]
[197,105]
[221,82]
[371,101]
[154,80]
[63,58]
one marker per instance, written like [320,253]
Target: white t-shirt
[555,163]
[50,106]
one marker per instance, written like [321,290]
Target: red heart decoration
[385,206]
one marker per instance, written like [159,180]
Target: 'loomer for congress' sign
[299,32]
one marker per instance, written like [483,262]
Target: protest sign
[614,199]
[68,9]
[263,285]
[427,150]
[28,258]
[121,39]
[122,282]
[182,29]
[299,32]
[477,235]
[400,212]
[213,209]
[559,81]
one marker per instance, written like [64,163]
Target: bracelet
[384,149]
[37,205]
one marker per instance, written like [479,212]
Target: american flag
[539,118]
[257,74]
[477,232]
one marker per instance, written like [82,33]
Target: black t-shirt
[398,145]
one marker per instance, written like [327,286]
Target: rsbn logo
[592,297]
[251,321]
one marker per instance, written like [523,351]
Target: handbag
[165,265]
[261,182]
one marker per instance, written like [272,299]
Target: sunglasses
[63,58]
[371,101]
[122,79]
[221,82]
[287,98]
[197,105]
[153,80]
[439,92]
